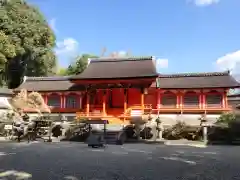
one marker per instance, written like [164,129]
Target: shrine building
[115,88]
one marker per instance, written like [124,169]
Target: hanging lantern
[145,91]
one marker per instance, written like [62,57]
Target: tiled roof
[5,91]
[115,68]
[166,81]
[197,80]
[47,84]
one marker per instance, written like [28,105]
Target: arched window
[214,99]
[54,100]
[72,101]
[190,99]
[169,99]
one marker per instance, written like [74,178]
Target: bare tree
[104,50]
[29,101]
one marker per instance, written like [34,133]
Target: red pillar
[158,98]
[125,100]
[104,103]
[46,99]
[88,105]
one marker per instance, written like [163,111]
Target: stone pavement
[69,160]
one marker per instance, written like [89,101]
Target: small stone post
[50,132]
[205,139]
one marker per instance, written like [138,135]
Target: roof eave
[112,78]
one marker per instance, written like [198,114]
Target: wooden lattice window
[72,101]
[168,99]
[214,99]
[191,99]
[54,100]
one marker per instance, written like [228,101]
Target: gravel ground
[75,161]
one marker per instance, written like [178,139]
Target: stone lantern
[204,125]
[159,128]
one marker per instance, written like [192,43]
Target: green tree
[24,30]
[226,118]
[62,71]
[79,65]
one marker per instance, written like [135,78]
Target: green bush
[182,131]
[227,129]
[219,133]
[226,118]
[77,132]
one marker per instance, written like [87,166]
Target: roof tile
[115,68]
[197,80]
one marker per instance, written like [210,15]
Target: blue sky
[185,35]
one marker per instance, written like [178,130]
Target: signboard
[8,127]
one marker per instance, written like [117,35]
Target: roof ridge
[119,59]
[201,74]
[47,78]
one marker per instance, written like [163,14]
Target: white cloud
[230,61]
[162,63]
[52,24]
[68,45]
[204,2]
[122,53]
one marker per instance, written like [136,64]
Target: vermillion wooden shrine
[115,88]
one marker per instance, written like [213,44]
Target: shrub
[175,132]
[219,133]
[77,133]
[226,119]
[181,131]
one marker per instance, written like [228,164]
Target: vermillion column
[61,100]
[64,100]
[224,98]
[142,98]
[88,106]
[46,98]
[180,104]
[204,102]
[158,98]
[80,100]
[125,100]
[178,95]
[200,99]
[104,102]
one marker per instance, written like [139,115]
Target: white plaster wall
[4,103]
[167,119]
[5,107]
[35,115]
[189,119]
